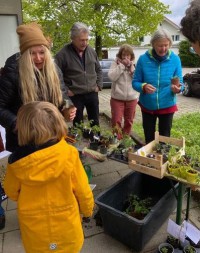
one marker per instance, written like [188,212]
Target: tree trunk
[98,46]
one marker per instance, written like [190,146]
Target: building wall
[11,7]
[10,18]
[172,28]
[167,24]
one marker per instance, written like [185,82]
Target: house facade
[167,24]
[170,26]
[10,18]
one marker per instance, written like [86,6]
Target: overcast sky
[178,8]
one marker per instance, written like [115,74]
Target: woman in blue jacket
[153,78]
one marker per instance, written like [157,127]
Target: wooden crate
[154,166]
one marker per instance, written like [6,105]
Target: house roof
[171,23]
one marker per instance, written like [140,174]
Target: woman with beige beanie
[29,76]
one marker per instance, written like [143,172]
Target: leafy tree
[188,59]
[110,21]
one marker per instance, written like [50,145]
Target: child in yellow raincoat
[46,178]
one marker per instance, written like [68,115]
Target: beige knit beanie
[31,35]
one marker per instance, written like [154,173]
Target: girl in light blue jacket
[155,75]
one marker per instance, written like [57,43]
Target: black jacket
[10,99]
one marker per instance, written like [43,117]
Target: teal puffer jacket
[159,74]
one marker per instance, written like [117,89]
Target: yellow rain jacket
[51,189]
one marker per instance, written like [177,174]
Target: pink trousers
[123,110]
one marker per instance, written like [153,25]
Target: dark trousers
[149,125]
[90,101]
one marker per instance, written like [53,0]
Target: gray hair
[161,34]
[78,28]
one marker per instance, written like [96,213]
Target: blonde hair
[39,85]
[40,122]
[127,49]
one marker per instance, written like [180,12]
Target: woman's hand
[149,89]
[69,113]
[126,62]
[70,93]
[176,88]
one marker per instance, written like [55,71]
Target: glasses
[191,50]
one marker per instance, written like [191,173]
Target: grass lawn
[187,125]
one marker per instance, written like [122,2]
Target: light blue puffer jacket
[159,74]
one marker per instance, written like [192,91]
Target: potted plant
[173,241]
[192,176]
[189,249]
[136,207]
[105,137]
[165,248]
[126,141]
[175,81]
[103,149]
[96,130]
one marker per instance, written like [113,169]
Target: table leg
[179,203]
[188,203]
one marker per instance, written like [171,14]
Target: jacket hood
[42,166]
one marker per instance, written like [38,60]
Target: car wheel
[187,89]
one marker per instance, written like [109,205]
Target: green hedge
[188,59]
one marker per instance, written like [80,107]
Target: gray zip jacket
[80,78]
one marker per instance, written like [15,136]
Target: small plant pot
[192,176]
[174,170]
[183,171]
[175,81]
[173,241]
[189,249]
[86,133]
[88,171]
[103,149]
[93,145]
[165,248]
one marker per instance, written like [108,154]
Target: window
[177,38]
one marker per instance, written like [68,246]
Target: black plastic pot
[103,149]
[93,145]
[128,230]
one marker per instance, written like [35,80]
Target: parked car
[192,83]
[105,65]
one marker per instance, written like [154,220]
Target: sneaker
[2,221]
